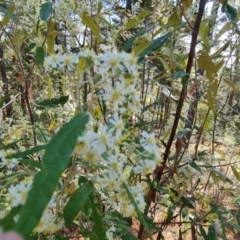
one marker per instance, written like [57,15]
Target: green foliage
[48,103]
[155,45]
[55,161]
[45,10]
[40,55]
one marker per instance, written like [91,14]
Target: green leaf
[194,165]
[238,215]
[140,215]
[179,74]
[89,22]
[170,212]
[9,14]
[211,233]
[156,44]
[45,10]
[31,163]
[224,29]
[77,201]
[186,202]
[221,176]
[99,8]
[234,225]
[184,212]
[230,11]
[11,145]
[236,173]
[137,19]
[55,161]
[40,55]
[203,233]
[130,42]
[98,227]
[30,47]
[183,132]
[53,102]
[28,152]
[4,98]
[220,50]
[231,85]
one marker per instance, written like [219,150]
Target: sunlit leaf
[90,23]
[236,173]
[137,19]
[232,86]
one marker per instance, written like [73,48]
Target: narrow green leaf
[140,215]
[55,161]
[179,74]
[28,152]
[52,102]
[203,233]
[10,15]
[45,10]
[194,165]
[231,85]
[184,212]
[4,98]
[98,227]
[99,7]
[31,163]
[30,47]
[221,176]
[77,201]
[231,12]
[130,42]
[137,19]
[236,173]
[89,22]
[10,145]
[40,55]
[156,44]
[183,132]
[186,202]
[170,212]
[238,215]
[211,233]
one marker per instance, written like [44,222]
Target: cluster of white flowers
[17,194]
[117,83]
[49,222]
[9,163]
